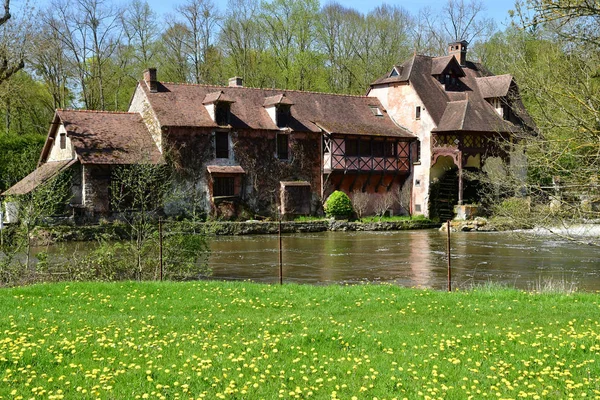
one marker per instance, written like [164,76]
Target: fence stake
[280,257]
[160,247]
[449,255]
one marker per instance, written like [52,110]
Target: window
[376,111]
[506,112]
[222,113]
[222,145]
[418,112]
[390,149]
[364,148]
[351,148]
[418,152]
[223,186]
[378,149]
[63,141]
[283,141]
[283,116]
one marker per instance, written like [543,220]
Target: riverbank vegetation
[220,340]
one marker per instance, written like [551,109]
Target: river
[408,258]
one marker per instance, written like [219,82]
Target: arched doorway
[443,194]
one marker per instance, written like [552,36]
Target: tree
[138,194]
[558,77]
[35,208]
[200,19]
[457,20]
[90,31]
[12,53]
[360,202]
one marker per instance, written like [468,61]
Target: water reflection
[413,258]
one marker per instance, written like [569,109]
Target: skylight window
[376,111]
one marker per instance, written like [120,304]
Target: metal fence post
[449,256]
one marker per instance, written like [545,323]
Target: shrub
[338,204]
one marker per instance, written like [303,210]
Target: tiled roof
[277,99]
[494,86]
[216,96]
[40,175]
[225,169]
[109,137]
[181,105]
[466,107]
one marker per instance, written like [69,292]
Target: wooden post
[449,255]
[160,247]
[280,256]
[1,230]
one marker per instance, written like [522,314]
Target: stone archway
[444,187]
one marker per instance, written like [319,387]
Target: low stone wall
[118,231]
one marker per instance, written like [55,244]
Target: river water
[408,258]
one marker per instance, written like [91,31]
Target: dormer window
[218,106]
[222,110]
[63,141]
[283,115]
[279,108]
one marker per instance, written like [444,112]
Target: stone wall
[191,150]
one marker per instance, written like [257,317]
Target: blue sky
[496,9]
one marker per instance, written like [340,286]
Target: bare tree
[141,30]
[457,20]
[90,31]
[200,18]
[11,50]
[384,203]
[360,202]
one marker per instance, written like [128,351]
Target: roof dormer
[279,108]
[218,107]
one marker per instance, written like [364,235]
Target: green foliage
[19,156]
[26,107]
[338,204]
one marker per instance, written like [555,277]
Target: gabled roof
[443,65]
[39,176]
[180,105]
[403,71]
[216,96]
[467,116]
[278,99]
[465,108]
[109,137]
[494,86]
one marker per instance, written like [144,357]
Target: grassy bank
[240,340]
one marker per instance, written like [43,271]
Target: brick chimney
[459,50]
[236,81]
[150,79]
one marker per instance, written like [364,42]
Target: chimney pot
[459,50]
[150,79]
[236,81]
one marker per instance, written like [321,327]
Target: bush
[338,204]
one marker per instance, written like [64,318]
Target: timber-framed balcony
[352,153]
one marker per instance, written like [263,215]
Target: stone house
[242,151]
[460,114]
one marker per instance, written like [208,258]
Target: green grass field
[249,341]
